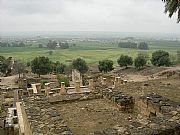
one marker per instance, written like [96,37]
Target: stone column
[63,90]
[77,87]
[38,86]
[91,84]
[16,98]
[47,89]
[104,81]
[117,82]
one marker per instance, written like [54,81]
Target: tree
[41,65]
[171,7]
[80,65]
[52,44]
[140,61]
[125,60]
[160,58]
[18,67]
[5,65]
[64,45]
[60,68]
[21,44]
[40,46]
[143,46]
[105,65]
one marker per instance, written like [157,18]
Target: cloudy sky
[86,15]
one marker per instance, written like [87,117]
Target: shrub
[140,61]
[105,65]
[63,78]
[80,65]
[125,60]
[160,58]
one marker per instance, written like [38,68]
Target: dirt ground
[168,87]
[89,116]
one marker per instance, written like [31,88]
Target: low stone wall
[123,102]
[73,97]
[168,123]
[154,104]
[43,117]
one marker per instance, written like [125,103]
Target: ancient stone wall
[76,76]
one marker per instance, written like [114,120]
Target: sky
[86,15]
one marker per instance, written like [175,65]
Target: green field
[92,52]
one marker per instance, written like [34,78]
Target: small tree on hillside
[19,67]
[105,65]
[125,60]
[41,65]
[5,65]
[160,58]
[80,65]
[140,61]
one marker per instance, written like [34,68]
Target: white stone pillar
[77,87]
[63,90]
[47,89]
[91,84]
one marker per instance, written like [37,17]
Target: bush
[140,61]
[160,58]
[105,65]
[125,60]
[41,65]
[63,78]
[80,65]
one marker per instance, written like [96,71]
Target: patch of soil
[168,87]
[95,115]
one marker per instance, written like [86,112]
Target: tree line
[141,45]
[12,44]
[43,65]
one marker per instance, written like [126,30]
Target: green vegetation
[140,61]
[91,52]
[41,65]
[105,66]
[80,65]
[172,7]
[63,78]
[5,65]
[160,58]
[124,61]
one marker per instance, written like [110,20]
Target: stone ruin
[76,76]
[37,114]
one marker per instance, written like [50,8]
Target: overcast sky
[86,15]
